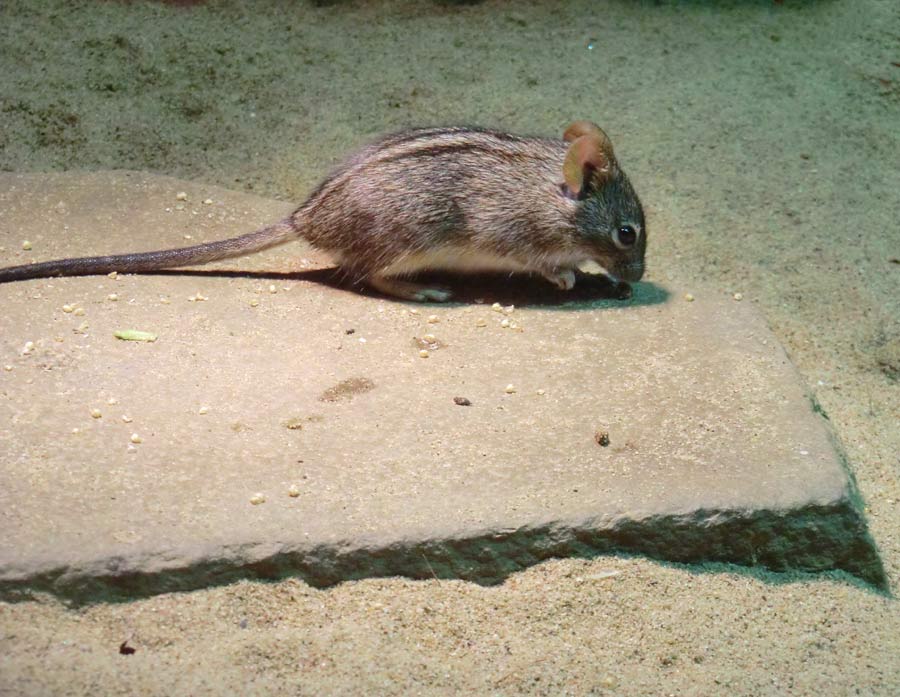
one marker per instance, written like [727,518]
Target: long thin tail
[270,236]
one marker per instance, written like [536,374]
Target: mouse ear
[589,163]
[577,129]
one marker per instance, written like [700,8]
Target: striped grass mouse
[456,199]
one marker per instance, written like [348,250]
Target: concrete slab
[715,453]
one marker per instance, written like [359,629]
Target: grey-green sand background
[764,138]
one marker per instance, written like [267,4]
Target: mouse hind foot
[406,290]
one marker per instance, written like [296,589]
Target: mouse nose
[632,272]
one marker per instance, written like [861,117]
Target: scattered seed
[257,499]
[7,367]
[429,338]
[127,419]
[203,410]
[510,389]
[480,323]
[96,414]
[497,307]
[112,297]
[609,682]
[602,575]
[294,424]
[68,308]
[433,319]
[738,296]
[689,297]
[294,491]
[78,312]
[197,297]
[135,438]
[181,196]
[508,310]
[424,353]
[76,431]
[207,202]
[541,392]
[505,324]
[462,401]
[114,275]
[112,400]
[254,303]
[26,245]
[134,335]
[27,348]
[273,289]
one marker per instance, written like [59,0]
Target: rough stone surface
[715,451]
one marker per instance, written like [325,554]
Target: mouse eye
[625,237]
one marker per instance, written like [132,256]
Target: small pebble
[510,389]
[78,312]
[68,308]
[197,298]
[541,392]
[497,307]
[181,196]
[112,400]
[273,289]
[135,438]
[294,491]
[76,431]
[508,310]
[689,297]
[112,297]
[602,437]
[505,324]
[114,275]
[7,367]
[96,414]
[127,419]
[26,245]
[424,353]
[462,401]
[429,338]
[257,499]
[203,410]
[433,319]
[480,323]
[27,348]
[207,202]
[254,303]
[738,296]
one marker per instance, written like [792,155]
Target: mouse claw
[435,295]
[564,280]
[409,291]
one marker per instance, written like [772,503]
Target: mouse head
[609,218]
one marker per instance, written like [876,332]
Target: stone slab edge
[815,538]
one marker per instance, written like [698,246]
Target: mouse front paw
[563,279]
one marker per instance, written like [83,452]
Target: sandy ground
[764,138]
